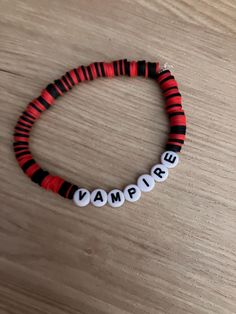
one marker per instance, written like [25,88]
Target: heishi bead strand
[99,197]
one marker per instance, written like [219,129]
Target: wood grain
[174,251]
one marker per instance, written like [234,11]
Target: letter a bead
[81,197]
[169,159]
[99,197]
[116,198]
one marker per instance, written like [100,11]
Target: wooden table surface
[172,252]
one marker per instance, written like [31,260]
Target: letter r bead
[159,173]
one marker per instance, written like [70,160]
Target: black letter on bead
[158,172]
[131,191]
[98,196]
[170,158]
[115,197]
[144,180]
[82,195]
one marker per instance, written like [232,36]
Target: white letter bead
[99,197]
[132,193]
[159,173]
[116,198]
[169,159]
[146,183]
[81,197]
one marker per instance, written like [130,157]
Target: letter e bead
[169,159]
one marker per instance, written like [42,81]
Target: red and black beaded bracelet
[99,197]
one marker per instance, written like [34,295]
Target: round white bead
[81,197]
[116,198]
[99,197]
[169,159]
[132,193]
[159,173]
[146,183]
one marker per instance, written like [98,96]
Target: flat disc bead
[81,197]
[116,198]
[169,159]
[98,197]
[146,183]
[132,193]
[159,172]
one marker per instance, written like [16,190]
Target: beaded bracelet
[99,197]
